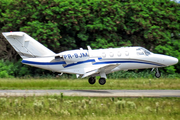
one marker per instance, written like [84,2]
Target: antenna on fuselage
[89,50]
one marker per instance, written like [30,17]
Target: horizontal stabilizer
[26,46]
[19,34]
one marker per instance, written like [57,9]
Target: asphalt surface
[94,93]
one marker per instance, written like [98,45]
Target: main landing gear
[92,80]
[102,81]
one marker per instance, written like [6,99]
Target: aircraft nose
[170,60]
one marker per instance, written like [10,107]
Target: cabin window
[111,54]
[127,53]
[119,53]
[103,54]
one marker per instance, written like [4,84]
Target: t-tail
[26,46]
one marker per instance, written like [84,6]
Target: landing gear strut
[157,74]
[102,81]
[92,80]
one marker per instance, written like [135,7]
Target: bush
[141,74]
[13,69]
[6,69]
[70,24]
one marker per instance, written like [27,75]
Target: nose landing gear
[157,74]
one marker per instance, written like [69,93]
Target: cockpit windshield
[143,51]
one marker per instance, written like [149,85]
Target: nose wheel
[157,74]
[92,80]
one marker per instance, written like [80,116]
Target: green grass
[60,107]
[76,84]
[57,107]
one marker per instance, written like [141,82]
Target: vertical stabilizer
[26,46]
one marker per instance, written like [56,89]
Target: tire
[91,80]
[158,75]
[102,81]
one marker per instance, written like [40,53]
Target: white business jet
[86,63]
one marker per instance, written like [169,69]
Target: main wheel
[102,81]
[91,80]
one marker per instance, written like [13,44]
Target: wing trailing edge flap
[106,69]
[90,73]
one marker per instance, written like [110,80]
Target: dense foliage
[69,24]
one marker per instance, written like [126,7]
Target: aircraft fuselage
[83,61]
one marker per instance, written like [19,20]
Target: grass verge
[78,84]
[60,107]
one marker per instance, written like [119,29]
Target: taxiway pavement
[94,93]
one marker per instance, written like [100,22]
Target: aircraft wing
[105,69]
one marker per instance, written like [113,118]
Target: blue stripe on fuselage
[43,63]
[81,62]
[69,65]
[110,62]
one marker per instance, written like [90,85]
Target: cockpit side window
[139,51]
[146,52]
[142,51]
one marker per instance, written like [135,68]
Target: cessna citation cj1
[86,63]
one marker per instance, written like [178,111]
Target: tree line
[70,24]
